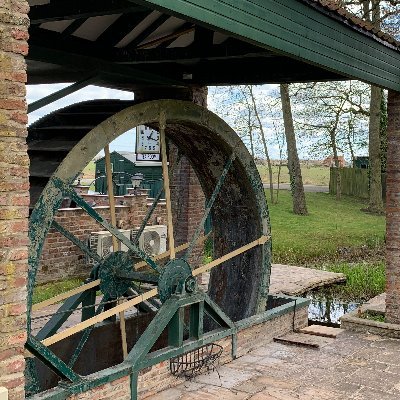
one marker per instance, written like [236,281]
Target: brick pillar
[14,194]
[393,210]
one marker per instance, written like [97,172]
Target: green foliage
[364,280]
[373,316]
[49,290]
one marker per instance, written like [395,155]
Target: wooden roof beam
[98,66]
[146,32]
[121,27]
[59,10]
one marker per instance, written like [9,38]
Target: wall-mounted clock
[147,143]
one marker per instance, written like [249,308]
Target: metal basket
[195,362]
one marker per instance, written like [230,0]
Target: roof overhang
[131,44]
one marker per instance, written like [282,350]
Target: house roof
[332,7]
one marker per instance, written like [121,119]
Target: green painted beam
[63,313]
[292,28]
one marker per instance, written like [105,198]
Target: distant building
[330,162]
[123,166]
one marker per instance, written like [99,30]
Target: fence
[354,182]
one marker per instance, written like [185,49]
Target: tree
[331,117]
[242,107]
[296,180]
[381,14]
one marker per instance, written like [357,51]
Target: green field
[333,229]
[336,236]
[89,171]
[312,175]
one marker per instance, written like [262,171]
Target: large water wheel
[235,197]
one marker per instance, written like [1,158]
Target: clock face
[147,140]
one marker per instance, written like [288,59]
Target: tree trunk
[337,166]
[375,189]
[250,128]
[296,180]
[264,142]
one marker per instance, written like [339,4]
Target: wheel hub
[176,277]
[110,284]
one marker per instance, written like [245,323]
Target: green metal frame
[171,316]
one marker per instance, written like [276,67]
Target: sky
[126,142]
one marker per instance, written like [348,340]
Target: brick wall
[14,195]
[61,258]
[393,211]
[188,201]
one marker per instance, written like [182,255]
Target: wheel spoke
[86,334]
[65,295]
[171,240]
[204,268]
[113,230]
[51,360]
[76,241]
[161,256]
[62,314]
[147,295]
[209,205]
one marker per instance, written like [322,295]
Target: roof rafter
[121,27]
[98,66]
[147,31]
[60,10]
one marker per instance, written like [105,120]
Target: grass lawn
[336,236]
[312,175]
[49,290]
[331,230]
[89,171]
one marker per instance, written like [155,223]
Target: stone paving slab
[354,366]
[303,339]
[294,281]
[321,330]
[377,304]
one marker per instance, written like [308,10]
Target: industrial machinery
[188,317]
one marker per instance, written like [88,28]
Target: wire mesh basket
[195,362]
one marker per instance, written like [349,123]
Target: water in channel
[325,310]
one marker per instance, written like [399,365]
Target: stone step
[321,330]
[303,339]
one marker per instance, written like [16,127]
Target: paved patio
[353,366]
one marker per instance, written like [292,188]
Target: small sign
[148,157]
